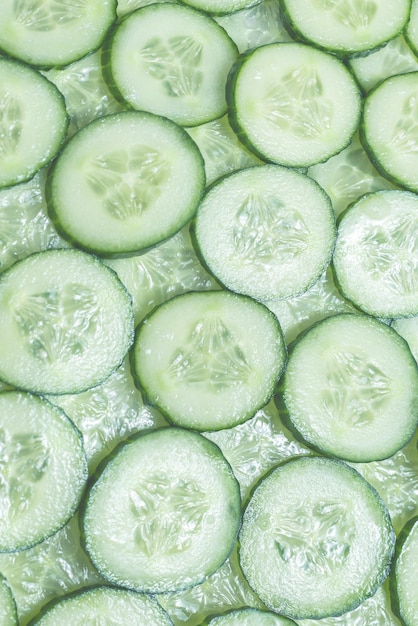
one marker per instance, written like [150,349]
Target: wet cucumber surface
[115,410]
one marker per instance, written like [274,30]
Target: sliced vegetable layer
[164,514]
[209,360]
[405,598]
[249,617]
[316,539]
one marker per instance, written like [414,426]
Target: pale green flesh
[405,576]
[43,470]
[250,617]
[8,613]
[209,360]
[266,232]
[316,540]
[376,253]
[66,322]
[348,26]
[115,187]
[284,103]
[221,6]
[54,33]
[164,514]
[29,139]
[104,605]
[179,73]
[345,381]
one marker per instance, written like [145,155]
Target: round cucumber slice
[43,470]
[283,103]
[316,539]
[103,605]
[347,378]
[209,360]
[404,589]
[164,513]
[124,183]
[66,322]
[267,232]
[376,253]
[32,127]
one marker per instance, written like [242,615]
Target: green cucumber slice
[404,589]
[103,605]
[170,60]
[411,31]
[346,27]
[376,253]
[346,379]
[266,231]
[43,470]
[164,513]
[220,7]
[209,360]
[54,32]
[32,128]
[66,322]
[8,610]
[316,539]
[249,617]
[283,103]
[124,183]
[389,129]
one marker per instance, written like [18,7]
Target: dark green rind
[400,541]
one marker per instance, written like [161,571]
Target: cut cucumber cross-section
[103,605]
[125,182]
[248,617]
[43,470]
[33,121]
[164,513]
[316,539]
[170,60]
[209,360]
[351,388]
[66,322]
[284,105]
[49,33]
[376,253]
[267,231]
[404,573]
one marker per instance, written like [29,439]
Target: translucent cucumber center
[46,15]
[405,133]
[10,124]
[355,14]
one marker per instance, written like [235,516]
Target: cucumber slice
[283,103]
[49,33]
[124,183]
[346,27]
[404,588]
[411,31]
[389,129]
[33,128]
[219,7]
[8,610]
[164,514]
[267,232]
[346,378]
[66,322]
[407,327]
[170,60]
[249,617]
[376,254]
[43,470]
[316,539]
[103,605]
[209,360]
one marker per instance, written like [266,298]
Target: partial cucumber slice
[170,60]
[376,253]
[43,470]
[346,27]
[267,232]
[407,327]
[125,182]
[346,379]
[249,617]
[66,322]
[32,127]
[103,605]
[404,588]
[389,129]
[209,360]
[411,31]
[283,103]
[51,33]
[219,7]
[8,610]
[164,514]
[316,539]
